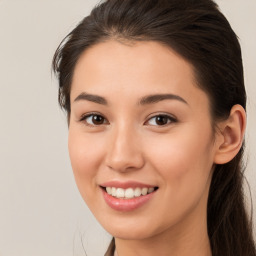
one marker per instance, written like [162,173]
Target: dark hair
[198,32]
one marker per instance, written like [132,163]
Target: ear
[230,136]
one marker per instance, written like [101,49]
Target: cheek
[183,158]
[85,155]
[84,150]
[184,163]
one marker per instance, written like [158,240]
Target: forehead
[134,70]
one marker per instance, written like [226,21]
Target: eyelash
[170,119]
[84,117]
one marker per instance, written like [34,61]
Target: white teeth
[150,190]
[109,190]
[113,192]
[144,191]
[137,192]
[129,192]
[120,193]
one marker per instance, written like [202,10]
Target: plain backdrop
[41,211]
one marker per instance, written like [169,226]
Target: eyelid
[172,119]
[86,115]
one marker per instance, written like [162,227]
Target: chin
[131,230]
[130,234]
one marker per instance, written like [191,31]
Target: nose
[125,152]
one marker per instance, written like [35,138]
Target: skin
[177,157]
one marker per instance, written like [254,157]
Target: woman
[155,101]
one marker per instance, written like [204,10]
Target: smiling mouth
[128,193]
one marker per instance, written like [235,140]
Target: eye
[94,119]
[161,120]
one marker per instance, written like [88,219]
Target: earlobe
[230,136]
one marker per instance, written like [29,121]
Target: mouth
[127,196]
[128,193]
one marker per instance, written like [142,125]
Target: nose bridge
[124,152]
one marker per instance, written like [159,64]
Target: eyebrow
[150,99]
[92,98]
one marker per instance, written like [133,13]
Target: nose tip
[124,154]
[125,163]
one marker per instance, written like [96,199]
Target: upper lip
[126,184]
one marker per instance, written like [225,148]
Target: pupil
[161,120]
[98,119]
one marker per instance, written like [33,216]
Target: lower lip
[126,204]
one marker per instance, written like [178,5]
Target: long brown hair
[198,32]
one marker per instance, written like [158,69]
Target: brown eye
[161,120]
[94,119]
[97,120]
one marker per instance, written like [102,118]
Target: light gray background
[41,211]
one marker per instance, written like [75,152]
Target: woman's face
[140,124]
